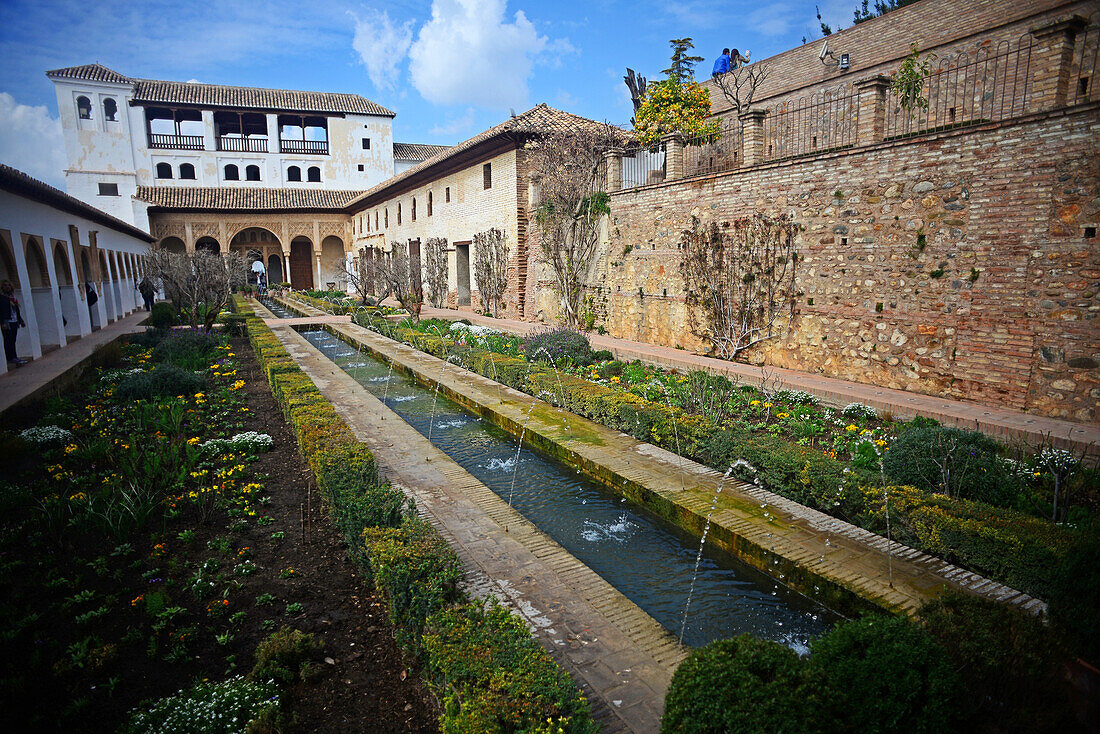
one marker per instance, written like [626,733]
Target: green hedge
[414,569]
[1006,545]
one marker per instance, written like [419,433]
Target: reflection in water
[645,558]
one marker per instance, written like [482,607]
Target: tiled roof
[90,72]
[246,199]
[283,100]
[416,151]
[538,120]
[17,182]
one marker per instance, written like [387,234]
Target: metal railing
[242,145]
[824,121]
[310,147]
[1084,66]
[705,154]
[642,166]
[175,142]
[967,88]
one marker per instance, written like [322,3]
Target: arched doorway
[47,319]
[65,291]
[208,243]
[7,263]
[173,244]
[275,270]
[301,263]
[332,263]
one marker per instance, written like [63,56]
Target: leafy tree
[200,283]
[677,103]
[682,68]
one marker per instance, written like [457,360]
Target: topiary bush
[163,316]
[742,684]
[950,461]
[561,345]
[163,381]
[1011,660]
[884,674]
[284,658]
[189,348]
[1075,597]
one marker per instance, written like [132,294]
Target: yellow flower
[70,448]
[192,442]
[767,405]
[851,428]
[755,402]
[200,395]
[238,384]
[865,431]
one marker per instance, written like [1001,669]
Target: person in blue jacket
[722,65]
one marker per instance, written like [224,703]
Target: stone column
[1051,59]
[872,109]
[209,136]
[752,136]
[614,160]
[674,156]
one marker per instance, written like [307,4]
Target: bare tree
[354,276]
[739,85]
[637,86]
[200,283]
[567,169]
[491,268]
[395,276]
[739,280]
[435,265]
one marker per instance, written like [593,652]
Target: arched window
[413,210]
[399,214]
[252,173]
[387,213]
[314,174]
[232,173]
[164,170]
[429,203]
[187,171]
[110,110]
[83,108]
[294,174]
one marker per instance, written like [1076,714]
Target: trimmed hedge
[415,571]
[1003,544]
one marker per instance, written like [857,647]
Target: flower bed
[833,466]
[417,573]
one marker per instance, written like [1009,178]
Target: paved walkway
[620,656]
[51,371]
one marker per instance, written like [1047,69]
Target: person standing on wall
[10,321]
[148,292]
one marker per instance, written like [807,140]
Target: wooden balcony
[242,145]
[175,142]
[308,147]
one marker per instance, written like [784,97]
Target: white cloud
[772,20]
[455,125]
[469,54]
[381,46]
[31,141]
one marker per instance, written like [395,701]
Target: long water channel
[647,559]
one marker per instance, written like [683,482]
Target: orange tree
[676,104]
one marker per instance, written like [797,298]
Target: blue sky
[449,68]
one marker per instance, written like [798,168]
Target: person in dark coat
[148,291]
[10,321]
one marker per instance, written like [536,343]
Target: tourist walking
[148,292]
[10,321]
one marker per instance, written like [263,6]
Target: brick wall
[956,264]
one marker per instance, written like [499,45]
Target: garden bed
[101,616]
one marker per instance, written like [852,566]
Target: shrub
[950,461]
[602,355]
[742,684]
[1011,661]
[190,349]
[1075,597]
[234,323]
[563,346]
[705,394]
[163,316]
[150,337]
[205,708]
[163,381]
[858,410]
[491,675]
[283,658]
[610,369]
[415,571]
[881,674]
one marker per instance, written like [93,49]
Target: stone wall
[962,264]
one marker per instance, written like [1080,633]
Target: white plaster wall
[472,209]
[43,308]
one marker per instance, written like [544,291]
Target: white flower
[47,435]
